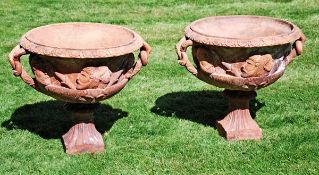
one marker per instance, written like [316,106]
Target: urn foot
[238,123]
[82,137]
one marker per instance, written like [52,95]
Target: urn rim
[81,40]
[243,31]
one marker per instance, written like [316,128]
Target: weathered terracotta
[241,54]
[81,64]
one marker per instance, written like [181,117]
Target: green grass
[161,122]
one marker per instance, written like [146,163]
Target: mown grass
[162,121]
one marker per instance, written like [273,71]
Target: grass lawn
[162,121]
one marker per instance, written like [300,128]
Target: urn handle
[183,60]
[14,59]
[296,50]
[143,56]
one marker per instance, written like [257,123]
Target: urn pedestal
[81,64]
[241,54]
[82,136]
[238,123]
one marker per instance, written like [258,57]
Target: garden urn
[240,54]
[81,64]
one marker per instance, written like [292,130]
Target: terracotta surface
[241,54]
[83,136]
[238,124]
[80,63]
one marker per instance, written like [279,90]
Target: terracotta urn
[81,64]
[241,54]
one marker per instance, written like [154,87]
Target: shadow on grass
[204,107]
[50,120]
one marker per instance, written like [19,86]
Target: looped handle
[296,50]
[183,60]
[14,59]
[145,50]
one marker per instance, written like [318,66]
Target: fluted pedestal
[82,137]
[238,123]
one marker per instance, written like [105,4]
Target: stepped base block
[238,123]
[82,137]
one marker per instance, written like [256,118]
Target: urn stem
[82,137]
[238,123]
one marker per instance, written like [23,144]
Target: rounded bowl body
[82,62]
[240,52]
[80,80]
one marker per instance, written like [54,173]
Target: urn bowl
[80,62]
[240,52]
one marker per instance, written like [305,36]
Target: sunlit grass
[161,122]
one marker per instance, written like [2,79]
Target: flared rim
[242,31]
[81,40]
